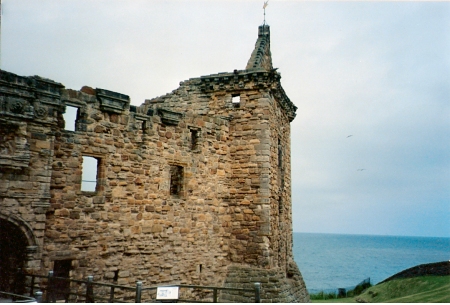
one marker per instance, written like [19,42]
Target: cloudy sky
[378,71]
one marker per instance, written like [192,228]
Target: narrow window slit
[194,139]
[280,154]
[176,180]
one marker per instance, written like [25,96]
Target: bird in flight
[349,136]
[361,169]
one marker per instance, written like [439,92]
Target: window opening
[176,180]
[194,139]
[236,100]
[144,126]
[141,125]
[70,118]
[116,276]
[280,164]
[89,174]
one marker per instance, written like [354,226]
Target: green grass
[421,289]
[334,298]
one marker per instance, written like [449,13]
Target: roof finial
[266,3]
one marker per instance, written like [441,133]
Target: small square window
[141,125]
[236,101]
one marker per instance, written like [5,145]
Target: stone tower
[193,187]
[254,164]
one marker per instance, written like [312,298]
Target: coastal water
[331,261]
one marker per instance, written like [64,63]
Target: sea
[331,261]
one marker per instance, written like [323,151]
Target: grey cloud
[377,70]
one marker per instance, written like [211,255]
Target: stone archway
[16,244]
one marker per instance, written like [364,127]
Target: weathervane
[266,3]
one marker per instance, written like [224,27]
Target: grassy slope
[421,289]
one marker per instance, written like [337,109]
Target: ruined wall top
[259,74]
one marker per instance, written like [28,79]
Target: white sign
[167,293]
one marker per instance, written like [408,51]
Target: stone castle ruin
[193,187]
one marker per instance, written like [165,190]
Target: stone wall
[275,285]
[27,119]
[132,224]
[192,187]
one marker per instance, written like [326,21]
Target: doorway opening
[13,246]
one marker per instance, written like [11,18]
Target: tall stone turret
[255,166]
[262,180]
